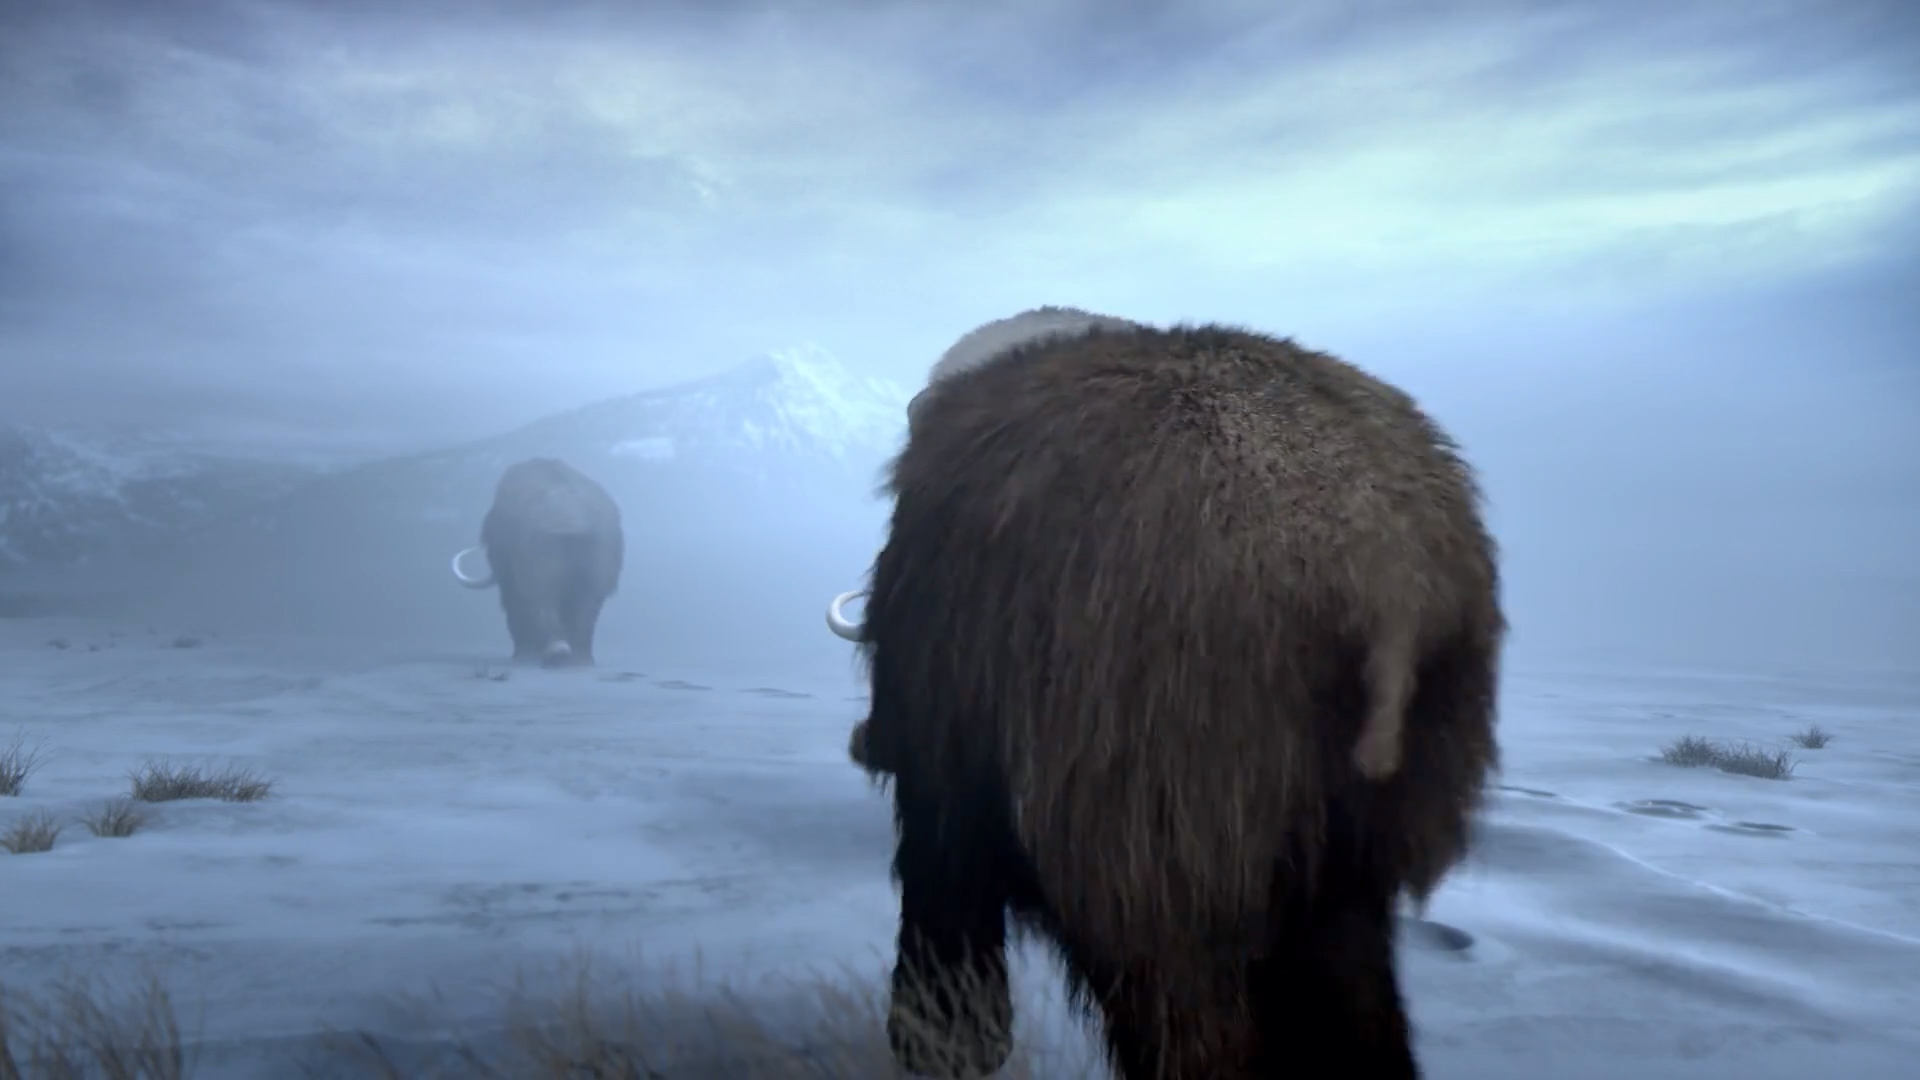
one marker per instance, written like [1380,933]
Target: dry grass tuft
[31,835]
[1814,738]
[824,1028]
[118,817]
[1689,752]
[1748,759]
[159,781]
[78,1031]
[18,761]
[1745,759]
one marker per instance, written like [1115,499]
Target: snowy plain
[432,827]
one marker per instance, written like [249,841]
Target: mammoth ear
[913,407]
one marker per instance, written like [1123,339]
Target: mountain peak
[808,396]
[794,403]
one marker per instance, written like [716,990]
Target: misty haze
[288,286]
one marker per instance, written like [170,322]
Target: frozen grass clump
[820,1028]
[1814,738]
[18,761]
[1743,759]
[80,1030]
[159,781]
[116,818]
[30,835]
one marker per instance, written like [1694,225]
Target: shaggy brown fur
[556,546]
[1183,646]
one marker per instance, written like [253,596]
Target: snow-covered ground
[433,828]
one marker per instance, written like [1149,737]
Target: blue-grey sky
[356,224]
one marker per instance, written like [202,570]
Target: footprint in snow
[1754,828]
[1534,792]
[1664,808]
[1430,936]
[1685,811]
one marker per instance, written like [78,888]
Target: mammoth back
[549,497]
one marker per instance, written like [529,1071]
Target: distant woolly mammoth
[1183,648]
[554,548]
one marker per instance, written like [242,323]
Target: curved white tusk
[837,620]
[470,582]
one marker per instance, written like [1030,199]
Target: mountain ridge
[791,415]
[800,400]
[71,496]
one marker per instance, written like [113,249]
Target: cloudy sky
[356,225]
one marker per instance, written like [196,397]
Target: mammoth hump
[989,340]
[563,505]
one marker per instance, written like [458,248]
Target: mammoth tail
[1378,752]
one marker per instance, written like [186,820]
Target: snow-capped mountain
[69,497]
[788,422]
[794,417]
[799,403]
[795,409]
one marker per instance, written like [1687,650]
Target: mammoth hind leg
[539,593]
[951,1009]
[1184,1018]
[1329,991]
[519,624]
[580,615]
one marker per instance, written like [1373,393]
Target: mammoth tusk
[460,575]
[837,620]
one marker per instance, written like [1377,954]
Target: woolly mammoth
[554,548]
[1183,649]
